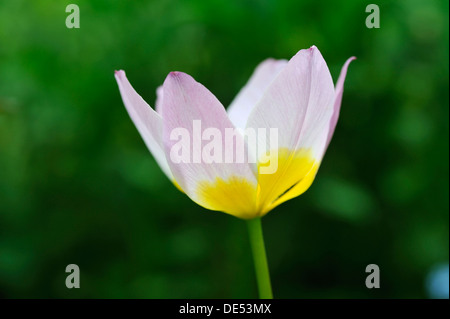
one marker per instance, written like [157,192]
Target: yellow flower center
[242,198]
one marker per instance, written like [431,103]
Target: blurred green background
[77,184]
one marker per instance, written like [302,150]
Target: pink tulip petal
[299,103]
[242,105]
[338,99]
[146,120]
[186,101]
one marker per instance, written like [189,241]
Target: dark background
[77,184]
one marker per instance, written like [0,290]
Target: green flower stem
[259,258]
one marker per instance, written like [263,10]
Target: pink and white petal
[243,103]
[189,109]
[299,103]
[301,185]
[338,98]
[146,120]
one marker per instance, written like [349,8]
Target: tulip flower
[297,97]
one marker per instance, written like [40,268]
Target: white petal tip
[347,63]
[175,74]
[119,74]
[176,77]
